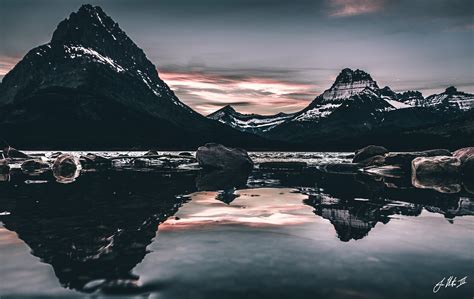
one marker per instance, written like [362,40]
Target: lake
[142,230]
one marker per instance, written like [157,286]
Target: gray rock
[464,153]
[94,161]
[10,152]
[467,168]
[404,160]
[290,165]
[369,151]
[217,156]
[373,161]
[441,173]
[34,165]
[66,168]
[4,167]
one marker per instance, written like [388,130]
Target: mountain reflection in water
[97,231]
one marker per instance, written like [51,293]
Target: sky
[267,56]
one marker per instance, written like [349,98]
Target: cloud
[345,8]
[252,91]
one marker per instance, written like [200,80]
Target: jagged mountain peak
[348,75]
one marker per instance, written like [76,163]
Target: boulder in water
[464,153]
[94,161]
[10,152]
[4,167]
[373,161]
[441,173]
[34,165]
[217,156]
[66,168]
[368,152]
[404,160]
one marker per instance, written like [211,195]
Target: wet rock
[10,152]
[217,156]
[185,154]
[35,165]
[94,161]
[66,168]
[467,168]
[404,160]
[369,151]
[373,161]
[290,165]
[464,153]
[340,168]
[4,167]
[441,173]
[221,180]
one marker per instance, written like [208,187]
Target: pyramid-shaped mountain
[92,86]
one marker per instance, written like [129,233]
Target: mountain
[355,112]
[347,87]
[451,98]
[253,123]
[91,86]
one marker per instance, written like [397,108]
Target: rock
[185,154]
[404,160]
[290,165]
[4,167]
[10,152]
[464,153]
[66,168]
[151,153]
[340,168]
[217,156]
[369,151]
[467,168]
[441,173]
[373,161]
[34,165]
[94,161]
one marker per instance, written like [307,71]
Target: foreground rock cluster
[438,169]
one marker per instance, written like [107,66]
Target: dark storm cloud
[284,52]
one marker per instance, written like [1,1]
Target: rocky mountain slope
[92,86]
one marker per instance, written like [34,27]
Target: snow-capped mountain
[254,123]
[451,98]
[348,84]
[91,85]
[411,97]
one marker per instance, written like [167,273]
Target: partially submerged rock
[35,165]
[281,165]
[340,168]
[404,160]
[10,152]
[94,161]
[373,161]
[4,167]
[217,156]
[441,173]
[66,168]
[464,153]
[368,152]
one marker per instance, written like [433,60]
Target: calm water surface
[149,232]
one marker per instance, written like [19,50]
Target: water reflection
[94,231]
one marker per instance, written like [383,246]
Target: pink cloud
[345,8]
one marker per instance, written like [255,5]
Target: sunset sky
[266,56]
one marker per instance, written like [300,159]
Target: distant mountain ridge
[354,110]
